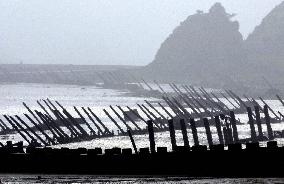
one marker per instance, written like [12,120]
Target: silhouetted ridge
[265,46]
[268,38]
[202,46]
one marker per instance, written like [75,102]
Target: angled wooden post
[208,131]
[172,134]
[258,121]
[251,124]
[132,141]
[151,136]
[184,133]
[268,125]
[219,129]
[234,126]
[194,131]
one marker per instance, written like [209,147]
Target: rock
[204,49]
[265,47]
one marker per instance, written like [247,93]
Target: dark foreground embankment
[197,161]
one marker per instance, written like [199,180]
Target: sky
[103,32]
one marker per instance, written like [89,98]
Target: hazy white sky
[125,32]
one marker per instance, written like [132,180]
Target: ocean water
[12,96]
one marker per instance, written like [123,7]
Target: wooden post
[206,104]
[32,113]
[257,104]
[75,123]
[249,100]
[151,136]
[219,129]
[131,120]
[56,113]
[184,133]
[151,89]
[144,111]
[172,86]
[280,114]
[84,120]
[172,106]
[185,113]
[39,128]
[251,124]
[279,98]
[220,102]
[194,131]
[159,86]
[226,137]
[235,97]
[17,129]
[230,135]
[172,134]
[43,108]
[65,122]
[132,141]
[148,116]
[268,125]
[121,119]
[224,96]
[99,120]
[72,120]
[50,122]
[258,121]
[22,128]
[276,116]
[137,114]
[60,117]
[200,105]
[155,109]
[168,113]
[190,100]
[234,127]
[4,125]
[93,121]
[208,131]
[46,123]
[214,106]
[120,129]
[49,104]
[155,117]
[33,132]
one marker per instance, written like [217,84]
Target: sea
[12,97]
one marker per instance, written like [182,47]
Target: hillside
[207,49]
[265,48]
[203,49]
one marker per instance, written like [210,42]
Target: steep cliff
[207,49]
[204,49]
[265,47]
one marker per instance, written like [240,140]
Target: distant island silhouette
[208,49]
